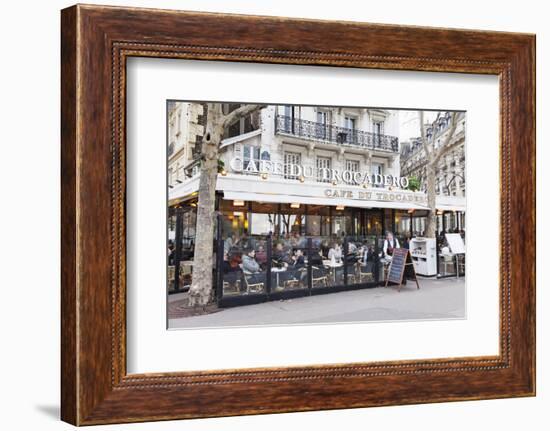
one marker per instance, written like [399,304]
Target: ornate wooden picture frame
[96,41]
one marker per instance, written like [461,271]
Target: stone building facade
[450,173]
[317,138]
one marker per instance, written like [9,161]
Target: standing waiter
[390,243]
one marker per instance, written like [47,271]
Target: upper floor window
[352,165]
[324,165]
[250,152]
[350,123]
[291,158]
[243,125]
[377,168]
[170,176]
[378,127]
[321,131]
[288,123]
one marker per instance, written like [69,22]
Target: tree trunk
[200,293]
[430,191]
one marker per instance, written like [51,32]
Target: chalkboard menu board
[397,265]
[400,259]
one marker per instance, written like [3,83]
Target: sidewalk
[436,299]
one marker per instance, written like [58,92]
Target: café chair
[448,261]
[319,277]
[231,284]
[352,273]
[295,279]
[186,275]
[171,276]
[365,273]
[255,287]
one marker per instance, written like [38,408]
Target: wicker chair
[448,261]
[232,283]
[186,272]
[171,275]
[319,277]
[352,273]
[252,287]
[365,272]
[295,279]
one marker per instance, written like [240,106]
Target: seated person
[249,262]
[231,274]
[335,252]
[324,248]
[253,272]
[280,257]
[295,270]
[261,256]
[351,257]
[368,254]
[235,260]
[298,259]
[298,241]
[316,258]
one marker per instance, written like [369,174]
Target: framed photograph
[267,215]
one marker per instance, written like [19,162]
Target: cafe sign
[377,195]
[367,179]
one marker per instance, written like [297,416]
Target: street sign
[401,259]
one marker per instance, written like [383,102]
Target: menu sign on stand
[401,259]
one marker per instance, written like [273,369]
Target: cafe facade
[306,181]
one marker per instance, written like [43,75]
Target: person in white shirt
[335,252]
[390,243]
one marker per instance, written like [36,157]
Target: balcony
[312,130]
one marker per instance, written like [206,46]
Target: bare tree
[433,154]
[217,122]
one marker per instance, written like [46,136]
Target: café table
[277,271]
[332,267]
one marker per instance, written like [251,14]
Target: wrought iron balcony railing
[335,134]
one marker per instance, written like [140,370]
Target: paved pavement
[436,299]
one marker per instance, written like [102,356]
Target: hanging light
[264,176]
[340,207]
[302,179]
[295,205]
[334,182]
[223,172]
[238,203]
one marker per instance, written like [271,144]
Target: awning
[250,188]
[308,200]
[450,203]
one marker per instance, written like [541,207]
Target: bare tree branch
[239,113]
